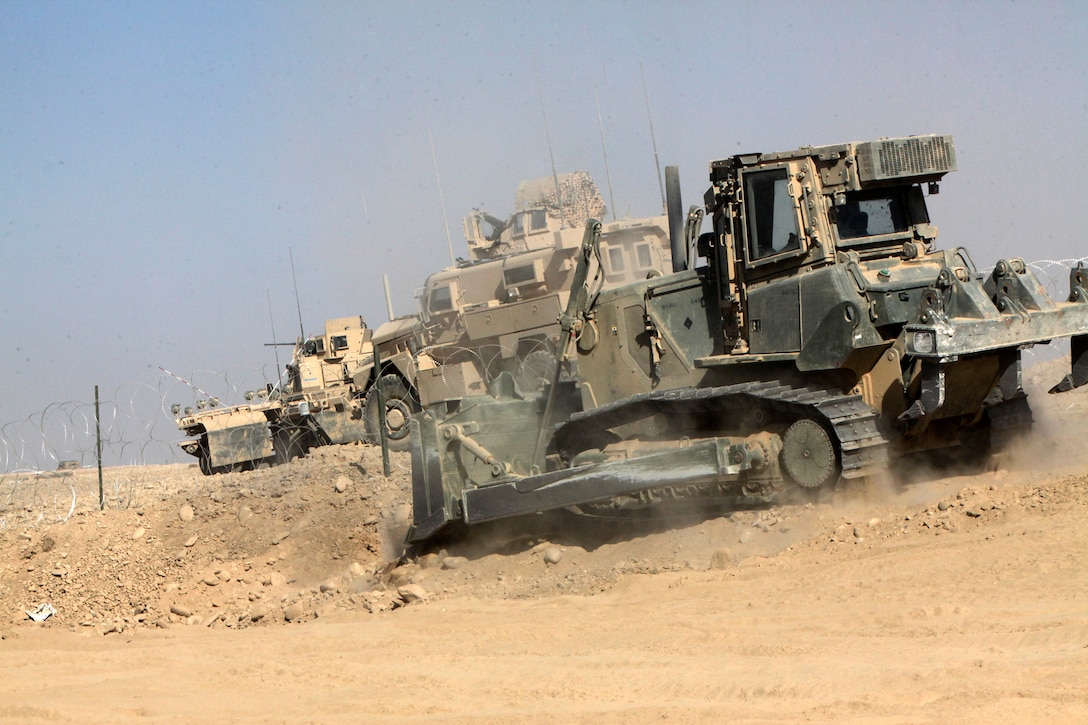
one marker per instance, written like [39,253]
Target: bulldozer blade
[718,460]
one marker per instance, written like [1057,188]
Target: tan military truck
[326,397]
[498,310]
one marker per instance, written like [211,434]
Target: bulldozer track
[862,447]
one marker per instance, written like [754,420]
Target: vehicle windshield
[871,215]
[772,221]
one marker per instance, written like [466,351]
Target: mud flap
[1078,345]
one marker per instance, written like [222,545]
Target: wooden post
[98,436]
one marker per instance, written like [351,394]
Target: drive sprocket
[808,454]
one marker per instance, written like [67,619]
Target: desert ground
[287,596]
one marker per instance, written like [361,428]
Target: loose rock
[722,558]
[454,562]
[412,593]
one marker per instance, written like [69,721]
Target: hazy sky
[158,160]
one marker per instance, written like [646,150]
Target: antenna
[604,150]
[548,137]
[388,298]
[301,332]
[275,345]
[664,206]
[441,197]
[183,380]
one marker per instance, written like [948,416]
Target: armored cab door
[774,249]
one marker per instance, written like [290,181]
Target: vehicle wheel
[289,445]
[204,456]
[536,370]
[400,403]
[808,454]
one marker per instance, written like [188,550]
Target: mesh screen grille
[914,156]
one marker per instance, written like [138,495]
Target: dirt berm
[284,595]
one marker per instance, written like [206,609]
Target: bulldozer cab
[779,215]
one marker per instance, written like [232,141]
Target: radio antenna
[441,197]
[298,306]
[649,118]
[604,151]
[388,297]
[275,345]
[548,138]
[183,380]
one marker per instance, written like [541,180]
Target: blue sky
[162,163]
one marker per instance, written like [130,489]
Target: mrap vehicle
[329,396]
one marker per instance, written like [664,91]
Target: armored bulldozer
[329,395]
[824,336]
[497,311]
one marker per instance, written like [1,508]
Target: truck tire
[290,444]
[204,457]
[400,403]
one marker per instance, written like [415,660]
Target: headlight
[924,342]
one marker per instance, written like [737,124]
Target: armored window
[772,221]
[339,342]
[517,225]
[490,228]
[615,260]
[538,220]
[523,274]
[441,300]
[644,258]
[871,215]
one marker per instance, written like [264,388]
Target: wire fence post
[98,437]
[383,436]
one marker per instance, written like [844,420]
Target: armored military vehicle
[825,336]
[498,310]
[328,396]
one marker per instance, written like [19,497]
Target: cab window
[538,220]
[615,260]
[772,221]
[440,300]
[871,215]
